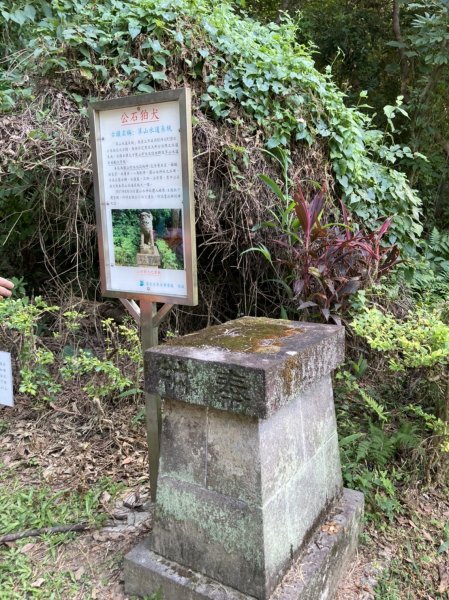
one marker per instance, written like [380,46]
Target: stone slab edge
[317,572]
[256,385]
[314,575]
[146,573]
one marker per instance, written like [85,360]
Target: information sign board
[6,393]
[142,159]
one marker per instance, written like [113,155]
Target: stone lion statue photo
[146,231]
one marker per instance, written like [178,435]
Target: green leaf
[18,17]
[134,29]
[273,142]
[159,75]
[262,249]
[273,186]
[130,393]
[29,11]
[350,438]
[86,73]
[283,284]
[143,87]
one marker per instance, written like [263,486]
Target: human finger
[5,287]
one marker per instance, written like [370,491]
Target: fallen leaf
[79,573]
[38,582]
[105,497]
[27,548]
[427,536]
[119,514]
[49,473]
[331,528]
[425,509]
[132,500]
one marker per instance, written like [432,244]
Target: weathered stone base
[149,259]
[313,576]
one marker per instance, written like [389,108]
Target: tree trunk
[404,64]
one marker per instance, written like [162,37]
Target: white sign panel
[143,192]
[6,394]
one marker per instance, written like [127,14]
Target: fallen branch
[12,537]
[63,410]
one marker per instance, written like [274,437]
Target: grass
[41,506]
[28,568]
[419,567]
[20,577]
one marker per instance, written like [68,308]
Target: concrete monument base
[314,575]
[249,466]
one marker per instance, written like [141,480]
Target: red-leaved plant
[327,263]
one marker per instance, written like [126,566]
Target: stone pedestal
[148,257]
[250,473]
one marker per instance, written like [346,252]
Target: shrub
[324,265]
[47,346]
[375,442]
[169,259]
[417,347]
[253,87]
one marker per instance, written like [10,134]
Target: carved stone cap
[251,366]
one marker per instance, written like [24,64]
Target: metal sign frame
[147,315]
[183,98]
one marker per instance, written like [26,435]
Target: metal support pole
[149,319]
[149,333]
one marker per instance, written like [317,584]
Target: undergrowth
[392,401]
[35,507]
[254,87]
[40,506]
[54,351]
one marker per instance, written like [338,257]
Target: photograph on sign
[143,183]
[150,237]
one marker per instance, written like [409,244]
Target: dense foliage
[54,351]
[279,113]
[322,266]
[387,49]
[254,86]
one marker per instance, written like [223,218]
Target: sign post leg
[150,320]
[149,334]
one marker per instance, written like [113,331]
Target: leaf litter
[60,448]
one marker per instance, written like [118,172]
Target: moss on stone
[248,334]
[235,530]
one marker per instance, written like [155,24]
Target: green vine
[246,72]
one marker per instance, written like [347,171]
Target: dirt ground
[69,448]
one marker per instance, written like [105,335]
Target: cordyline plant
[325,263]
